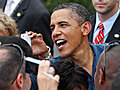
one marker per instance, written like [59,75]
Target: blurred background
[50,4]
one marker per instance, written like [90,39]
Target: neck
[84,56]
[104,16]
[106,86]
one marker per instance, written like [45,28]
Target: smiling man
[70,27]
[61,24]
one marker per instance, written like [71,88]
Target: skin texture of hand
[45,82]
[38,44]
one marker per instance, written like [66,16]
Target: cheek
[93,2]
[74,35]
[75,41]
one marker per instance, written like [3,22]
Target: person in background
[12,63]
[69,75]
[107,67]
[72,77]
[105,23]
[23,45]
[8,26]
[116,82]
[10,60]
[30,15]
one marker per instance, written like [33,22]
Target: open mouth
[60,42]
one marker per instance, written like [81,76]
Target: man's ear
[19,81]
[101,77]
[86,28]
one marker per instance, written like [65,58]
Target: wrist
[46,55]
[44,52]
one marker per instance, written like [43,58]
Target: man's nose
[56,32]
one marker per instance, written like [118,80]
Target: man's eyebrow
[52,25]
[62,22]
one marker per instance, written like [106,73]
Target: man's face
[66,32]
[105,6]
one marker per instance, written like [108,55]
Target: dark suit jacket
[115,30]
[31,15]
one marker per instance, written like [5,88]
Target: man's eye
[63,25]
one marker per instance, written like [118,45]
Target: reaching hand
[45,79]
[37,43]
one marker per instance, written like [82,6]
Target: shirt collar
[97,21]
[108,22]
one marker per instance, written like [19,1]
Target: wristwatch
[47,56]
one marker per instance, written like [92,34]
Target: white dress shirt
[10,9]
[108,24]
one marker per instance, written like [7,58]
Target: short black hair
[20,42]
[116,82]
[9,63]
[71,75]
[79,12]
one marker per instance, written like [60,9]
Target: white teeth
[59,41]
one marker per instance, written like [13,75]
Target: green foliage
[51,4]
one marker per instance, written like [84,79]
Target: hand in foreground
[38,44]
[45,78]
